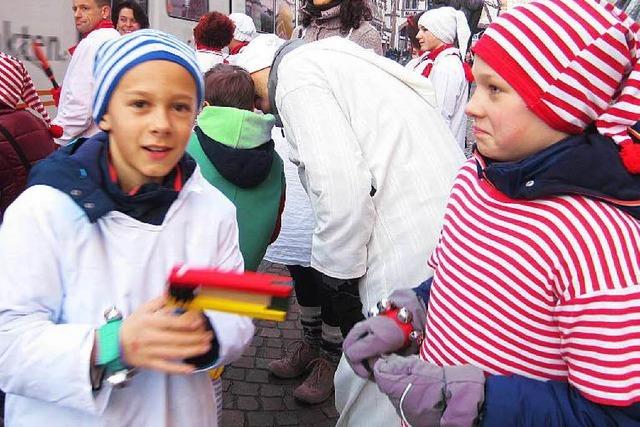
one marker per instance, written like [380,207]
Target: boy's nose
[161,122]
[472,107]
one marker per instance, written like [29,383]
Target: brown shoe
[295,361]
[318,386]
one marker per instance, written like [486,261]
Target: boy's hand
[153,337]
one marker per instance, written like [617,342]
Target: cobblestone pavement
[252,397]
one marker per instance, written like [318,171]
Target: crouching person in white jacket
[100,226]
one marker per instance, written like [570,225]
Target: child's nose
[472,107]
[161,121]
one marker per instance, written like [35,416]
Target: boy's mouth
[157,153]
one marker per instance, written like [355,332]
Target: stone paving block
[232,419]
[269,352]
[272,403]
[261,363]
[244,389]
[243,362]
[292,334]
[274,342]
[269,332]
[228,401]
[288,324]
[225,385]
[293,405]
[260,419]
[246,403]
[330,410]
[257,341]
[257,376]
[233,373]
[267,323]
[249,351]
[269,390]
[287,419]
[310,416]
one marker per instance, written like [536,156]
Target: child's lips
[157,152]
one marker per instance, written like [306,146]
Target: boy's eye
[139,104]
[182,107]
[493,89]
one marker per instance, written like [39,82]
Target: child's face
[149,119]
[505,129]
[427,40]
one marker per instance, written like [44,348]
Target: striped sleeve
[31,98]
[601,344]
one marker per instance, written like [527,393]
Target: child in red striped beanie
[533,309]
[24,137]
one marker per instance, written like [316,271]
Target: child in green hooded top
[234,149]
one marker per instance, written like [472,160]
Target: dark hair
[138,13]
[352,13]
[214,30]
[228,85]
[412,29]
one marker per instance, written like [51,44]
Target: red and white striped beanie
[574,62]
[16,85]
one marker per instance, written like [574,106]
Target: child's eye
[494,90]
[182,108]
[139,104]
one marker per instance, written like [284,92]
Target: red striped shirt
[545,288]
[16,85]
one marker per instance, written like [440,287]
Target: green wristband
[109,346]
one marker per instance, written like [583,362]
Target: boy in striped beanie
[534,305]
[87,338]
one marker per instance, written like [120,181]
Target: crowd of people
[498,290]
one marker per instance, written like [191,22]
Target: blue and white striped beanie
[117,56]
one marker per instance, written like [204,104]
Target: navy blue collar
[587,164]
[81,171]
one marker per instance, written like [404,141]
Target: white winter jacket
[76,99]
[377,161]
[60,272]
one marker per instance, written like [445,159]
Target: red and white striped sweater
[547,288]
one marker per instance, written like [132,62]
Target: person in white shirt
[93,22]
[443,35]
[103,223]
[378,181]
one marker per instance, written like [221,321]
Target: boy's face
[505,129]
[87,14]
[149,119]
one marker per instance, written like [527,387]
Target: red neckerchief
[105,23]
[113,175]
[236,49]
[431,57]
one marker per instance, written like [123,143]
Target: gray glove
[380,335]
[370,339]
[429,395]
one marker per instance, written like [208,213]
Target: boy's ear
[105,123]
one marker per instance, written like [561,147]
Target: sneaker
[318,386]
[295,361]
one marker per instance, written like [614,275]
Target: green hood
[236,128]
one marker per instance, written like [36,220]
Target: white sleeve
[233,333]
[336,177]
[75,109]
[41,357]
[447,78]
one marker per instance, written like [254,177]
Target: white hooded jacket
[377,161]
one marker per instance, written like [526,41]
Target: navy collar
[81,171]
[587,164]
